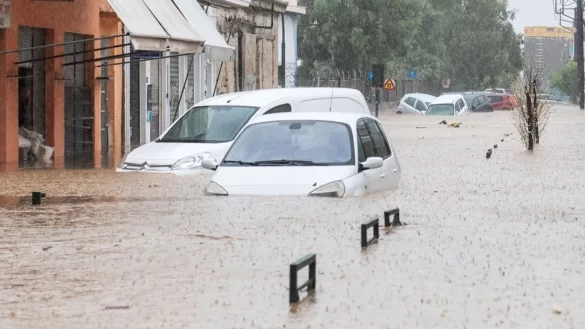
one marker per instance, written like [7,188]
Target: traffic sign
[446,83]
[371,76]
[412,75]
[389,84]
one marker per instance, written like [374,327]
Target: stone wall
[253,32]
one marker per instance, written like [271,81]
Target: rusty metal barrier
[395,214]
[311,261]
[365,226]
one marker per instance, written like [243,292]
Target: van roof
[447,99]
[348,118]
[421,96]
[264,97]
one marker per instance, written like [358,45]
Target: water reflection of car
[415,103]
[209,128]
[448,104]
[307,154]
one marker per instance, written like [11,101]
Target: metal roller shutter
[174,90]
[155,69]
[190,90]
[79,116]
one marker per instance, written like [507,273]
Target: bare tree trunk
[530,122]
[536,133]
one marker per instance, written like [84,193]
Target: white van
[209,128]
[448,104]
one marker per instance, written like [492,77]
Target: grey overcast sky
[533,13]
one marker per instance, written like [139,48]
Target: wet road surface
[489,243]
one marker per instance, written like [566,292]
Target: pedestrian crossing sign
[389,84]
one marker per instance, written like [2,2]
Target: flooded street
[489,243]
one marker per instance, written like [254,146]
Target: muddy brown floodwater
[489,243]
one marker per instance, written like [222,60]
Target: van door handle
[383,175]
[395,170]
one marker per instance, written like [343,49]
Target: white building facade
[180,52]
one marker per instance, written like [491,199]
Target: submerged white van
[209,128]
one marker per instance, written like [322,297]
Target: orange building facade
[53,81]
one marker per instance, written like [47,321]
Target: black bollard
[37,197]
[495,146]
[502,140]
[488,154]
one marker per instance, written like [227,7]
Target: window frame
[418,101]
[361,141]
[461,103]
[413,103]
[382,134]
[276,107]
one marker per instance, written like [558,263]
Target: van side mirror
[371,163]
[209,163]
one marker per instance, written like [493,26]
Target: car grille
[146,166]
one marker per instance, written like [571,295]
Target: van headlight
[215,189]
[191,162]
[334,189]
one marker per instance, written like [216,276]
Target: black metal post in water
[37,197]
[311,261]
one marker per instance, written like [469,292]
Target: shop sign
[4,14]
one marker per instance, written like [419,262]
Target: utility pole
[579,52]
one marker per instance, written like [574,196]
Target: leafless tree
[531,114]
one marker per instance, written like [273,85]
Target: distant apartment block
[549,47]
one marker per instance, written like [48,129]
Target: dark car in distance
[477,101]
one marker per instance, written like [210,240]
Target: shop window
[31,79]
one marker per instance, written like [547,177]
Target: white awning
[231,3]
[156,26]
[183,38]
[215,46]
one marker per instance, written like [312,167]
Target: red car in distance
[503,102]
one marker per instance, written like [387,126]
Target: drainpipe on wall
[283,55]
[126,75]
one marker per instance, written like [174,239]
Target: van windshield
[209,124]
[441,109]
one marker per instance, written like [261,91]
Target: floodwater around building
[488,243]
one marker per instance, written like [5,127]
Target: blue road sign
[144,54]
[412,74]
[371,76]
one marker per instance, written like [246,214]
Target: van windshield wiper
[290,163]
[242,163]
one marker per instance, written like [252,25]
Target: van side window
[279,109]
[365,144]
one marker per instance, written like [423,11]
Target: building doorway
[31,79]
